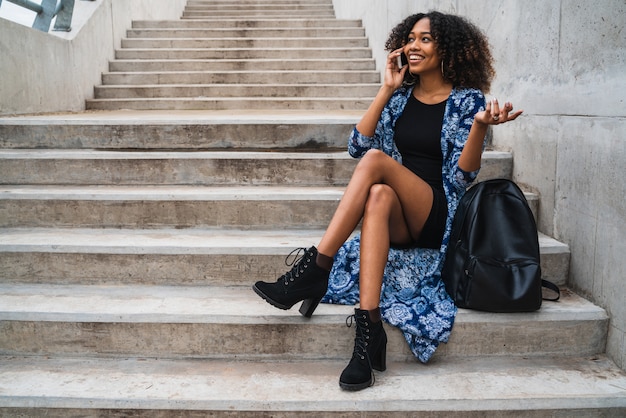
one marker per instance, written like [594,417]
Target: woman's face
[420,49]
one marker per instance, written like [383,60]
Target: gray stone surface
[502,387]
[233,322]
[173,256]
[211,168]
[182,130]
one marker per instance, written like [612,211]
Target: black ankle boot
[306,281]
[370,352]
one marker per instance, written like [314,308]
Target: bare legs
[394,204]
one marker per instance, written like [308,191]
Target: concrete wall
[563,62]
[56,71]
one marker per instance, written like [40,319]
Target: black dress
[418,138]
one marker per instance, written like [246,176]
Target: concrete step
[455,388]
[259,2]
[243,53]
[251,92]
[182,130]
[180,206]
[245,6]
[233,322]
[248,23]
[230,168]
[283,32]
[283,65]
[254,7]
[167,206]
[247,43]
[225,13]
[215,168]
[176,257]
[232,103]
[235,78]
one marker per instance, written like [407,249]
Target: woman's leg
[383,222]
[386,208]
[405,220]
[397,205]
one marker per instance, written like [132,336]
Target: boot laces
[361,341]
[301,259]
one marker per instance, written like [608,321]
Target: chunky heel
[370,351]
[380,362]
[308,306]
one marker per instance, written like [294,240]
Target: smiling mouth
[415,57]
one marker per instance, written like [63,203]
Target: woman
[420,144]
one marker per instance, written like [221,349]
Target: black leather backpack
[492,262]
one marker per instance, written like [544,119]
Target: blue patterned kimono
[413,295]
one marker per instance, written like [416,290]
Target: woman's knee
[372,161]
[373,156]
[370,167]
[380,199]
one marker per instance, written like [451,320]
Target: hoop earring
[442,73]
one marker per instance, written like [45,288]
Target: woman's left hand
[495,115]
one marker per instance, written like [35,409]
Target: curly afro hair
[463,48]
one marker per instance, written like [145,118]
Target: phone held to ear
[402,60]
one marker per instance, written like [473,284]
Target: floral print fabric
[413,296]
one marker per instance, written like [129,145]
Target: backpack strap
[553,287]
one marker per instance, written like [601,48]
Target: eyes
[424,39]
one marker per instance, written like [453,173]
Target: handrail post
[44,18]
[64,12]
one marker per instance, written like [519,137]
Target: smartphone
[402,60]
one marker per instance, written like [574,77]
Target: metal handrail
[47,10]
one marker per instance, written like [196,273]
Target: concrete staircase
[129,240]
[225,55]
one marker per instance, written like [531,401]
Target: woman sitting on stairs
[420,144]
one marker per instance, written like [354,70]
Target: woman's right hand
[394,75]
[392,81]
